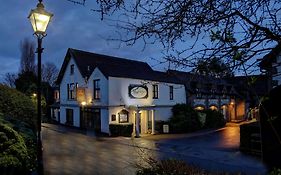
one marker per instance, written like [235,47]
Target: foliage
[236,30]
[26,83]
[49,73]
[27,61]
[173,167]
[13,151]
[275,171]
[121,129]
[16,105]
[213,67]
[159,125]
[10,79]
[184,119]
[214,119]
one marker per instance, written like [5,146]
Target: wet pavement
[70,151]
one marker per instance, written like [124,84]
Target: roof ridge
[114,57]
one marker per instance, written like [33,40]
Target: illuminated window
[155,91]
[123,116]
[97,89]
[171,92]
[72,69]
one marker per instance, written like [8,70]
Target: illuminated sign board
[138,91]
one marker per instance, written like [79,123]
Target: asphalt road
[70,151]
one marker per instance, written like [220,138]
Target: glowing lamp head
[83,103]
[34,95]
[39,19]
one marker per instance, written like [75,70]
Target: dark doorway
[90,119]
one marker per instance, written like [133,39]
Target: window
[71,69]
[71,91]
[56,95]
[171,92]
[155,91]
[123,116]
[69,117]
[96,89]
[113,117]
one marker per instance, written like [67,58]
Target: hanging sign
[138,91]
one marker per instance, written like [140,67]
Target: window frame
[155,91]
[96,88]
[171,92]
[71,91]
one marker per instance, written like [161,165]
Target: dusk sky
[73,26]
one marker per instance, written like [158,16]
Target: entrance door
[90,119]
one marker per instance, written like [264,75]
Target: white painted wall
[97,74]
[119,95]
[67,79]
[104,121]
[76,114]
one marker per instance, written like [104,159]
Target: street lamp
[39,19]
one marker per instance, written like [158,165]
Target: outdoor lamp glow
[39,19]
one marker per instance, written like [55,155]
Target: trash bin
[165,129]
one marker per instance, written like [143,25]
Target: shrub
[169,167]
[214,119]
[17,105]
[125,130]
[184,119]
[13,152]
[28,135]
[159,126]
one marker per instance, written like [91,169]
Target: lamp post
[39,19]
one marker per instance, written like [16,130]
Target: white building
[98,90]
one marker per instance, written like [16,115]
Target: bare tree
[10,79]
[238,31]
[49,73]
[27,63]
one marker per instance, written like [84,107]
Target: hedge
[214,119]
[17,105]
[184,119]
[121,130]
[13,152]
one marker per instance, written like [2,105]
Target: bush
[184,119]
[125,130]
[13,152]
[214,119]
[17,105]
[28,135]
[169,167]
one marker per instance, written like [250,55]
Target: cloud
[73,26]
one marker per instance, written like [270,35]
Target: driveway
[70,151]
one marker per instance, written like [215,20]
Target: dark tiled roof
[257,84]
[113,67]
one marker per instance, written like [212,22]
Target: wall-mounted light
[83,103]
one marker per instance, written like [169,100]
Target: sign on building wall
[81,97]
[138,91]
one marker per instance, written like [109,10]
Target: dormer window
[71,69]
